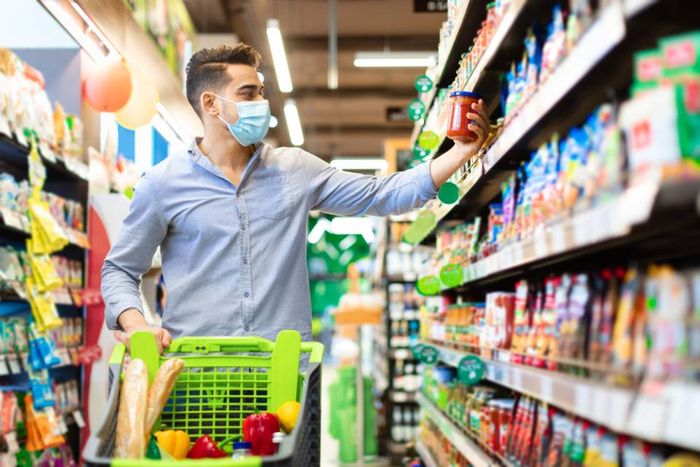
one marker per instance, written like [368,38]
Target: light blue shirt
[234,257]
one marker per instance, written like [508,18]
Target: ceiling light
[394,59]
[273,122]
[319,229]
[353,163]
[291,114]
[279,56]
[353,226]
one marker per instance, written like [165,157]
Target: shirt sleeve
[131,256]
[350,194]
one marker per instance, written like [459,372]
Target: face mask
[253,121]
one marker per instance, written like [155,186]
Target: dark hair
[206,70]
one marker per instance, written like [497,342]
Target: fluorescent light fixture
[279,56]
[169,120]
[353,226]
[352,163]
[93,27]
[291,114]
[394,59]
[78,30]
[319,229]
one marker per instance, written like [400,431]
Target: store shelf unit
[477,456]
[567,97]
[68,179]
[425,455]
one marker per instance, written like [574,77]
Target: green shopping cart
[224,380]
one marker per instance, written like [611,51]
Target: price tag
[46,152]
[557,238]
[470,370]
[546,389]
[528,250]
[517,254]
[79,420]
[649,414]
[14,364]
[540,244]
[5,126]
[4,370]
[21,139]
[580,230]
[517,378]
[62,427]
[684,415]
[11,218]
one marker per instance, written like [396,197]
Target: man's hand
[132,321]
[444,166]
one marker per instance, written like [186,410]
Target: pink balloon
[108,86]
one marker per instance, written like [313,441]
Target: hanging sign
[470,370]
[428,285]
[451,275]
[423,84]
[416,349]
[428,140]
[416,109]
[429,355]
[424,223]
[420,153]
[448,193]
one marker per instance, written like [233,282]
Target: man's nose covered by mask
[253,121]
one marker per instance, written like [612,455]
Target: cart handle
[315,349]
[218,344]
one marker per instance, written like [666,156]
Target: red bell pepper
[205,447]
[258,429]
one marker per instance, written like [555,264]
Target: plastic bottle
[241,449]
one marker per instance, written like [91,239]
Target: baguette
[160,390]
[131,434]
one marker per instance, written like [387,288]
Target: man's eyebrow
[250,87]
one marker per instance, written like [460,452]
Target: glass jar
[460,105]
[241,449]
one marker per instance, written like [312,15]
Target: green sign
[448,193]
[416,109]
[416,349]
[470,370]
[420,153]
[428,285]
[428,140]
[429,355]
[423,84]
[451,275]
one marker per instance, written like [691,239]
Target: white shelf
[469,449]
[603,404]
[402,396]
[425,454]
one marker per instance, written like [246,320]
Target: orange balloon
[108,86]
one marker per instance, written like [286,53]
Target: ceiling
[352,120]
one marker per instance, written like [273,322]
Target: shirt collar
[203,161]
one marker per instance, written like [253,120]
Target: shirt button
[243,227]
[245,260]
[246,294]
[246,328]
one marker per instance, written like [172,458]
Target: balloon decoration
[108,86]
[141,107]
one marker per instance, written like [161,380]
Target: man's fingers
[120,336]
[478,130]
[166,338]
[480,108]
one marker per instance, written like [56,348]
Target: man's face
[245,85]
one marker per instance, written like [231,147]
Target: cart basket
[224,380]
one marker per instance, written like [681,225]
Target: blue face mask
[253,121]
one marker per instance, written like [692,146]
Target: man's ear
[207,102]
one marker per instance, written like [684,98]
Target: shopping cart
[225,379]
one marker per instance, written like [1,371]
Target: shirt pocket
[271,198]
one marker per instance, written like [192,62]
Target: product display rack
[69,180]
[654,218]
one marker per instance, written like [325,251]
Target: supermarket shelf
[17,155]
[403,278]
[469,449]
[603,404]
[469,21]
[644,214]
[402,397]
[425,454]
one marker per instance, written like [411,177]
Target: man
[230,214]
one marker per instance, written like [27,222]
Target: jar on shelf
[458,123]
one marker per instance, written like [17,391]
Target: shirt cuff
[116,306]
[426,187]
